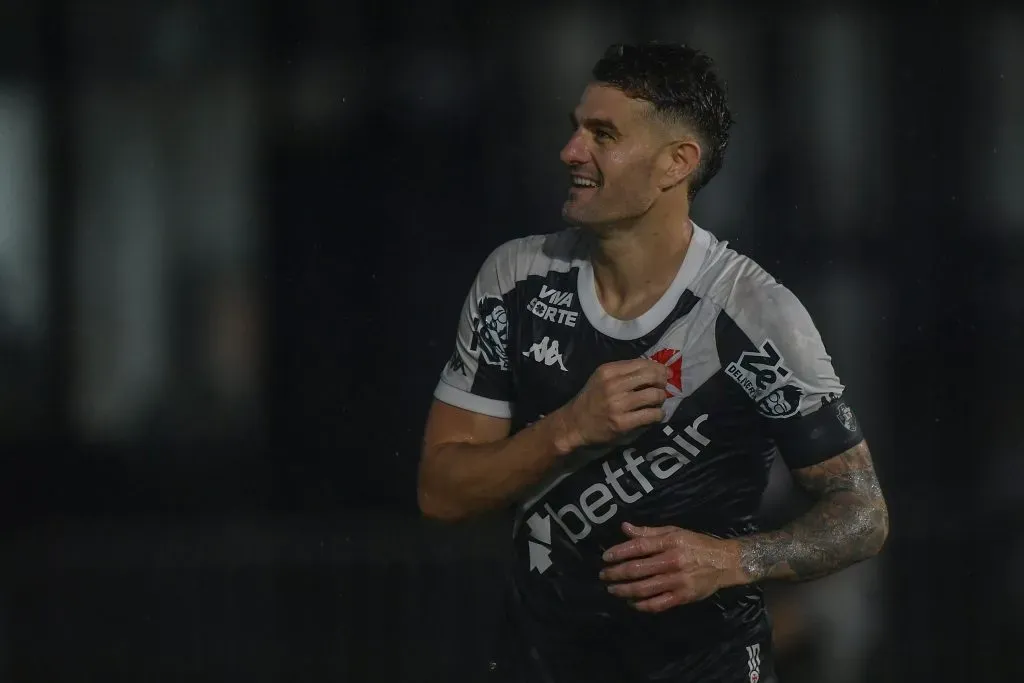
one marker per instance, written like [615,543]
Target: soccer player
[626,384]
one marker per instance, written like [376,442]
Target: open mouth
[583,183]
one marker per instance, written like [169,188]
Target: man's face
[613,158]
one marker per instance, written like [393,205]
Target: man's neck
[635,265]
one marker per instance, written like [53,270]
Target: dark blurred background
[235,239]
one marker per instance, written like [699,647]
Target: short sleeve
[478,375]
[789,375]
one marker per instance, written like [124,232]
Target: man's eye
[602,136]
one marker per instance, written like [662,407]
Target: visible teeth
[583,182]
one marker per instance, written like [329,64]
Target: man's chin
[583,222]
[574,217]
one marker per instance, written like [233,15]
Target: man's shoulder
[536,254]
[745,291]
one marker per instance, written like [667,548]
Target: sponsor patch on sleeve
[781,403]
[490,331]
[759,372]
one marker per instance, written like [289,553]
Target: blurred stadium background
[235,238]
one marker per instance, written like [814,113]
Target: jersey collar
[634,329]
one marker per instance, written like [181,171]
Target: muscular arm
[848,523]
[470,465]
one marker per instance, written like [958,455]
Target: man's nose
[575,151]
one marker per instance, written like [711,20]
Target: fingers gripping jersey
[749,377]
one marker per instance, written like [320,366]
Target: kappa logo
[540,542]
[456,364]
[754,662]
[554,306]
[546,351]
[757,372]
[673,360]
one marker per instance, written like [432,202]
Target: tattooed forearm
[848,523]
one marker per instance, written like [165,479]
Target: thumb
[645,531]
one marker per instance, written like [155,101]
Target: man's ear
[684,158]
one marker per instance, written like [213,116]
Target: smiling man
[626,384]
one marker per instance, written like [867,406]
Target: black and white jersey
[749,377]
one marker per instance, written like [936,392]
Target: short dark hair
[682,85]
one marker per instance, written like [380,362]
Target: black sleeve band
[810,439]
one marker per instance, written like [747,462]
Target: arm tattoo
[848,523]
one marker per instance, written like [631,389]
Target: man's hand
[662,567]
[618,398]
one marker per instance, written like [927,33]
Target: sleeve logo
[846,417]
[490,331]
[757,372]
[456,364]
[781,403]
